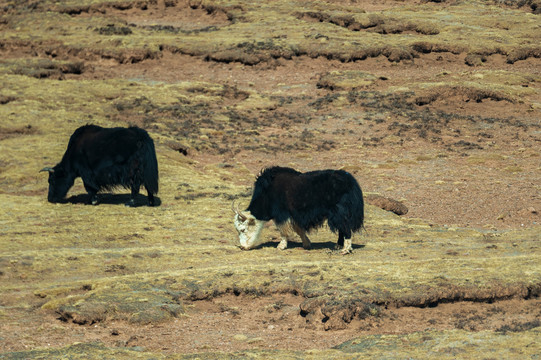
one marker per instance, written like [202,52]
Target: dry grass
[441,345]
[97,264]
[260,32]
[142,265]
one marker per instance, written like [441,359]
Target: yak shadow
[329,245]
[112,199]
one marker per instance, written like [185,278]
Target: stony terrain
[434,106]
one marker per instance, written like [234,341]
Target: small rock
[255,340]
[181,148]
[240,337]
[388,204]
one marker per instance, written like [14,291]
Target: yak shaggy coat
[299,202]
[106,158]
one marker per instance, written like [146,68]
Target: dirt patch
[372,22]
[442,127]
[12,132]
[176,16]
[43,68]
[236,323]
[440,144]
[387,204]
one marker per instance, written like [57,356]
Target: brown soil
[446,190]
[235,323]
[451,191]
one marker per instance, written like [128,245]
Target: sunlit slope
[94,264]
[259,31]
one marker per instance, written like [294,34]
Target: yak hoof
[347,247]
[282,245]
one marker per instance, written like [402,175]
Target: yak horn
[237,211]
[48,169]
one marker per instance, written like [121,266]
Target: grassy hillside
[107,264]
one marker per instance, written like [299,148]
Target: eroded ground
[433,104]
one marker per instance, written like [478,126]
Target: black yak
[106,158]
[299,202]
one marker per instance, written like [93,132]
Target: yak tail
[150,171]
[354,207]
[348,216]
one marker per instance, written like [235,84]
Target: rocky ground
[434,107]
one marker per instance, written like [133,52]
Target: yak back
[309,198]
[269,196]
[108,157]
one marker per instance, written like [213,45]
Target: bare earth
[449,191]
[233,323]
[493,184]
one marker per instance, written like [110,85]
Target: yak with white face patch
[299,202]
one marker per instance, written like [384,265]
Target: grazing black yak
[106,158]
[300,202]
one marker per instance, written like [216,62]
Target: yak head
[60,181]
[249,229]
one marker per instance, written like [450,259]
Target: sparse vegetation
[456,89]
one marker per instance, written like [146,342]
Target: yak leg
[347,247]
[305,241]
[286,233]
[93,193]
[283,243]
[340,242]
[285,230]
[150,198]
[134,193]
[344,244]
[283,239]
